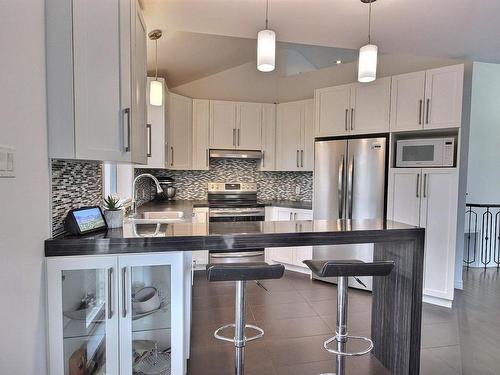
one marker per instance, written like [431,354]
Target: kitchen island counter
[397,298]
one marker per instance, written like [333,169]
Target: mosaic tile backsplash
[74,184]
[271,185]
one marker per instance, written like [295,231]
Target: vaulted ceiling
[442,28]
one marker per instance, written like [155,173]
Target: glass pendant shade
[156,93]
[266,50]
[367,67]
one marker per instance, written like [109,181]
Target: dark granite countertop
[186,236]
[189,204]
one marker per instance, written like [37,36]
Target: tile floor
[298,314]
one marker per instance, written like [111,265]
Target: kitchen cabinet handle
[291,215]
[302,158]
[110,293]
[263,159]
[417,194]
[238,132]
[234,137]
[126,112]
[208,157]
[420,103]
[124,292]
[148,129]
[172,155]
[352,118]
[427,111]
[341,187]
[298,153]
[425,185]
[295,216]
[345,119]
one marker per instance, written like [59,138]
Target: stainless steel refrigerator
[349,183]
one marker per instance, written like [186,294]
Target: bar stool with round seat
[241,273]
[342,269]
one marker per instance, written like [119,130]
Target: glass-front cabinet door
[151,314]
[83,319]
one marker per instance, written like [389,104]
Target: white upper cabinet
[429,99]
[139,137]
[249,130]
[179,134]
[268,161]
[289,134]
[358,108]
[332,110]
[407,101]
[222,124]
[295,136]
[370,107]
[235,125]
[201,119]
[92,70]
[156,129]
[443,97]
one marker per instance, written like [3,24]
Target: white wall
[245,83]
[24,200]
[483,182]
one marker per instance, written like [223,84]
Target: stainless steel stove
[235,202]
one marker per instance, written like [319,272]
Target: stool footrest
[337,338]
[218,336]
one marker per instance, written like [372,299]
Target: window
[118,180]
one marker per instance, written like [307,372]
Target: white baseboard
[437,301]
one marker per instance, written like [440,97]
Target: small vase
[114,218]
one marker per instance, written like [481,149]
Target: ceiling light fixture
[266,47]
[156,87]
[367,65]
[338,62]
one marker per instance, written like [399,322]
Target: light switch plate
[7,161]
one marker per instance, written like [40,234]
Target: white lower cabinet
[97,323]
[200,216]
[291,256]
[428,198]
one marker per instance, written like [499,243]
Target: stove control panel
[232,187]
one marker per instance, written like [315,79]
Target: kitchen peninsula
[397,299]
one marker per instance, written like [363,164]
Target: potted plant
[113,212]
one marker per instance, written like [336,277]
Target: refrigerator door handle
[350,183]
[341,187]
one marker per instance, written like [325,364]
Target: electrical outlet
[297,189]
[7,162]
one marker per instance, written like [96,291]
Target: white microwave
[425,152]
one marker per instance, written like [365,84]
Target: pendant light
[367,65]
[156,87]
[266,47]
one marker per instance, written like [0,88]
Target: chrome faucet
[134,192]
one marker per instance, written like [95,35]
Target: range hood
[236,154]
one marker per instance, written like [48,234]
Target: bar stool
[241,273]
[343,269]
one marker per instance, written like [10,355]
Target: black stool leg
[240,323]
